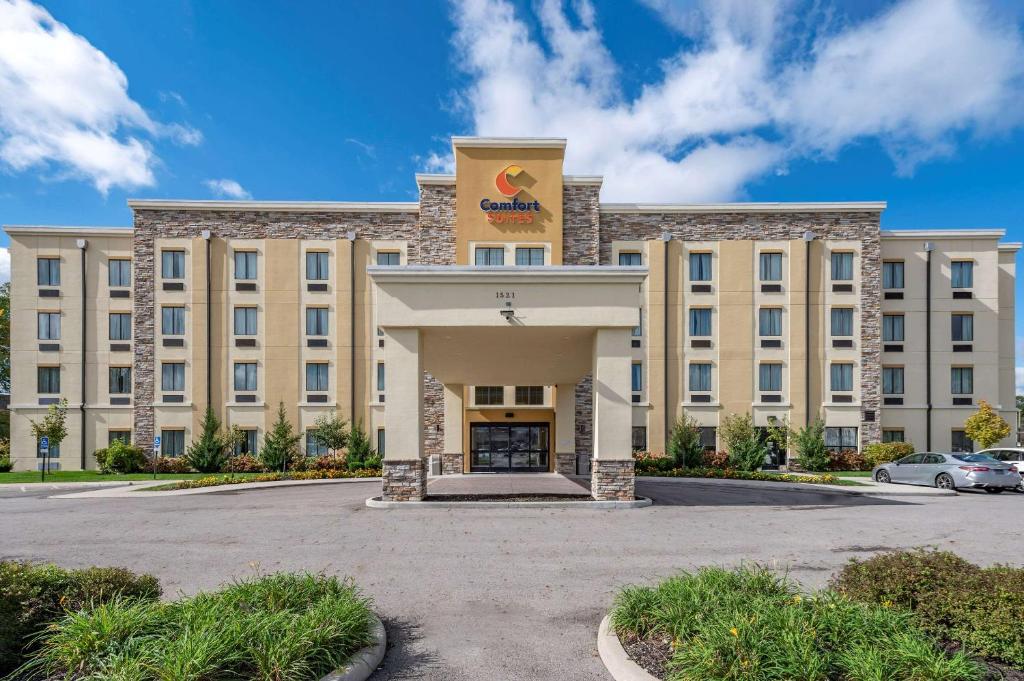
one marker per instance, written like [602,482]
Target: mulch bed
[509,497]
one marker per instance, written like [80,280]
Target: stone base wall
[451,464]
[405,480]
[612,480]
[565,464]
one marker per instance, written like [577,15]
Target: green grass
[852,474]
[282,627]
[751,625]
[26,477]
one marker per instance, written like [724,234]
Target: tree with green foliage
[331,432]
[54,425]
[742,442]
[986,427]
[281,444]
[809,446]
[209,453]
[684,443]
[361,453]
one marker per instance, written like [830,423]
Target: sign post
[44,449]
[156,453]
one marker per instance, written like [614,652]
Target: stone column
[404,469]
[565,428]
[452,457]
[612,471]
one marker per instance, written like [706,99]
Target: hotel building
[507,321]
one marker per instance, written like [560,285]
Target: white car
[1011,455]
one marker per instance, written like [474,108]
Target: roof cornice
[1011,246]
[597,180]
[60,230]
[943,233]
[278,206]
[509,142]
[434,178]
[774,207]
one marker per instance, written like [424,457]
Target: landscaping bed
[219,480]
[898,616]
[509,497]
[731,474]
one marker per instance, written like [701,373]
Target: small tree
[281,445]
[746,451]
[684,443]
[361,453]
[985,427]
[809,446]
[208,454]
[53,426]
[330,432]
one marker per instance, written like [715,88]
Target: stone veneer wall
[613,480]
[404,480]
[864,227]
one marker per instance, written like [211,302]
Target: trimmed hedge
[977,608]
[730,474]
[32,597]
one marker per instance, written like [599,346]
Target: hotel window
[124,436]
[841,377]
[769,321]
[316,377]
[389,258]
[313,446]
[172,320]
[120,380]
[48,271]
[700,321]
[637,377]
[247,444]
[630,259]
[893,435]
[638,330]
[960,442]
[529,394]
[489,395]
[700,267]
[529,257]
[841,439]
[245,376]
[892,274]
[842,321]
[380,377]
[172,443]
[639,438]
[892,328]
[708,438]
[892,380]
[962,380]
[842,266]
[770,377]
[172,264]
[316,321]
[119,273]
[489,256]
[120,326]
[48,380]
[172,376]
[245,264]
[963,328]
[700,377]
[771,267]
[316,265]
[963,274]
[245,321]
[380,442]
[49,325]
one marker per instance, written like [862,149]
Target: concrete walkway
[486,484]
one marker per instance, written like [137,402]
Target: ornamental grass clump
[749,624]
[282,627]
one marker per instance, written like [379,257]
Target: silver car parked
[949,471]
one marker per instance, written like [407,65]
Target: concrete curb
[366,660]
[139,489]
[26,486]
[377,502]
[614,656]
[866,490]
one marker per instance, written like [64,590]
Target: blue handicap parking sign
[44,443]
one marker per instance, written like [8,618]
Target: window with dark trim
[892,328]
[245,265]
[842,266]
[769,321]
[841,439]
[172,443]
[893,435]
[892,274]
[529,256]
[247,444]
[120,326]
[489,395]
[172,376]
[892,380]
[700,267]
[123,436]
[639,438]
[172,264]
[962,328]
[48,271]
[842,321]
[637,379]
[316,377]
[381,441]
[962,380]
[245,376]
[841,377]
[630,259]
[960,442]
[49,325]
[172,320]
[389,258]
[48,380]
[962,274]
[709,438]
[700,321]
[120,380]
[770,377]
[770,266]
[245,321]
[119,273]
[529,394]
[316,265]
[489,256]
[316,321]
[700,376]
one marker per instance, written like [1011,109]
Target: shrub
[361,453]
[330,431]
[684,445]
[5,456]
[243,463]
[121,457]
[746,451]
[733,474]
[326,463]
[33,597]
[281,445]
[884,452]
[847,460]
[209,453]
[711,459]
[647,463]
[955,600]
[809,446]
[169,464]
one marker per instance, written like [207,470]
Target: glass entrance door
[509,447]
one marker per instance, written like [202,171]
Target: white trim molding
[434,178]
[44,230]
[943,233]
[509,142]
[773,207]
[471,273]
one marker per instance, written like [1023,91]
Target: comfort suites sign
[509,211]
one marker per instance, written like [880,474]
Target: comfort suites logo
[514,211]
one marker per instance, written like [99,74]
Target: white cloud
[64,106]
[1020,378]
[5,265]
[227,188]
[753,89]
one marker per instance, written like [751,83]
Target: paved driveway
[494,594]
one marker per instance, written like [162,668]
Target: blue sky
[916,102]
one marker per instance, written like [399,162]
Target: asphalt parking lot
[472,594]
